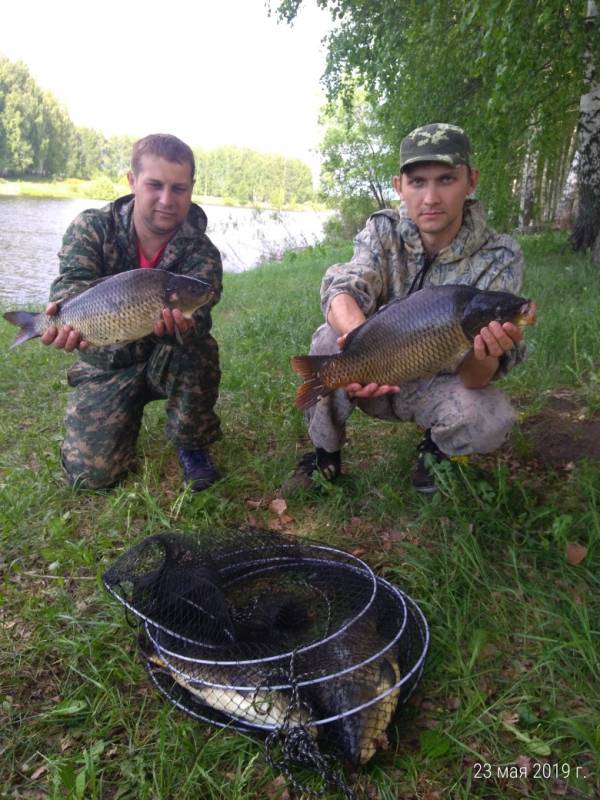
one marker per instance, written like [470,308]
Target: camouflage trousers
[104,412]
[462,421]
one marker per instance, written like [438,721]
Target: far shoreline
[104,189]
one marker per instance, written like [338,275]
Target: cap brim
[441,158]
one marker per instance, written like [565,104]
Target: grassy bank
[513,676]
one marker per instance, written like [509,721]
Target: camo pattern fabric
[462,421]
[389,259]
[436,142]
[112,384]
[104,412]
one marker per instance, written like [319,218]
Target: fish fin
[25,320]
[313,389]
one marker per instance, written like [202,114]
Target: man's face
[163,193]
[434,195]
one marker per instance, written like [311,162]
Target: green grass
[513,669]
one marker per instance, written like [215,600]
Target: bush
[349,218]
[102,188]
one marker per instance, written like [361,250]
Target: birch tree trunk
[563,219]
[586,231]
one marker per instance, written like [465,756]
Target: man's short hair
[162,145]
[439,141]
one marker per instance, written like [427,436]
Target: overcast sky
[211,71]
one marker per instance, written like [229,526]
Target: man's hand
[371,389]
[495,340]
[172,319]
[490,344]
[64,338]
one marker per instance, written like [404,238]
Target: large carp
[428,332]
[119,308]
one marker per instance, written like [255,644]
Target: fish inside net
[270,634]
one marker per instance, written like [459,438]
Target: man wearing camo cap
[437,236]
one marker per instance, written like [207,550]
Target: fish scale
[418,336]
[119,308]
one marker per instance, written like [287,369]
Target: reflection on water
[31,231]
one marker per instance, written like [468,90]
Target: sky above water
[209,71]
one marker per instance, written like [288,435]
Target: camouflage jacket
[389,261]
[101,242]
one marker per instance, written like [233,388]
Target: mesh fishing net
[267,633]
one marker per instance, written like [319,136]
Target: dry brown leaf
[251,503]
[39,772]
[359,551]
[575,553]
[278,506]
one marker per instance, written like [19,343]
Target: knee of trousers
[91,472]
[478,421]
[324,341]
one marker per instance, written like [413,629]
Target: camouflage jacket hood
[474,234]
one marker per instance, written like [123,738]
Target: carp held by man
[119,308]
[418,336]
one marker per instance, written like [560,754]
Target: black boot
[428,453]
[329,465]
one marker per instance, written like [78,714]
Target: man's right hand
[64,338]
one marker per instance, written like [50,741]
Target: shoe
[198,469]
[428,453]
[319,462]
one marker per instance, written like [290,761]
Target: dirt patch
[562,432]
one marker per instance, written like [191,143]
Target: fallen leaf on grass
[39,772]
[575,553]
[278,506]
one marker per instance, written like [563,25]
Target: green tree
[509,71]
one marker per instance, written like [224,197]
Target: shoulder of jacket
[502,241]
[386,213]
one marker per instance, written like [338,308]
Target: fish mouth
[527,315]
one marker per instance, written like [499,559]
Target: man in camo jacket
[437,236]
[157,227]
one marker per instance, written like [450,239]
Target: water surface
[31,231]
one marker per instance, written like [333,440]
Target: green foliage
[356,160]
[35,131]
[349,218]
[250,177]
[509,71]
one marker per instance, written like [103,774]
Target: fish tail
[313,388]
[26,321]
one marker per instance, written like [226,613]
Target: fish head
[485,307]
[372,687]
[187,294]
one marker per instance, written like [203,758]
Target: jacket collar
[473,233]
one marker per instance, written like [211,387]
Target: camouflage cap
[436,142]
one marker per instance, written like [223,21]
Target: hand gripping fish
[418,336]
[119,308]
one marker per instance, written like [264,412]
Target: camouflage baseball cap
[436,142]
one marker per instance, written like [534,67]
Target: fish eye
[498,310]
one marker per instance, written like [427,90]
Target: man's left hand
[496,339]
[172,319]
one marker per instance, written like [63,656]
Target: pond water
[31,231]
